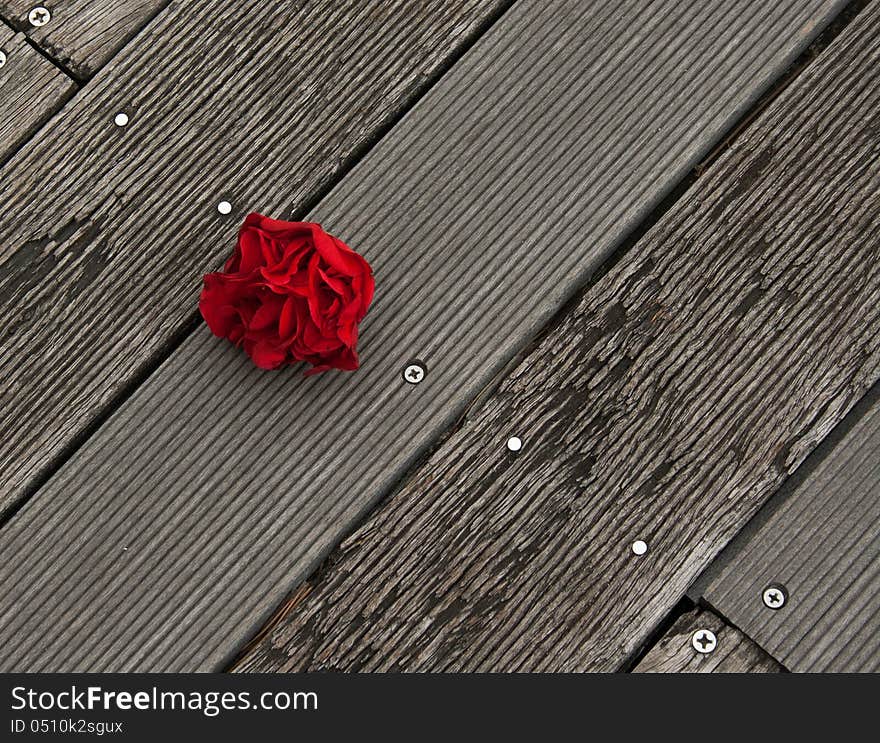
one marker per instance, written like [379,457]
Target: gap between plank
[784,492]
[31,132]
[79,81]
[703,604]
[24,27]
[45,55]
[680,609]
[17,25]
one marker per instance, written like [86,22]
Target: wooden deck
[33,89]
[702,642]
[642,238]
[817,538]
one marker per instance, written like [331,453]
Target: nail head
[704,641]
[414,372]
[774,596]
[39,16]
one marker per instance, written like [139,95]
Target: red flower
[290,292]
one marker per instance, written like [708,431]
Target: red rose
[290,292]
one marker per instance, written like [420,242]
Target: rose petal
[314,295]
[336,284]
[265,355]
[337,254]
[366,287]
[347,324]
[316,342]
[267,315]
[287,322]
[251,250]
[277,228]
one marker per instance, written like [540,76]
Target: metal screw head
[121,119]
[39,16]
[414,372]
[224,207]
[774,596]
[2,58]
[704,641]
[639,547]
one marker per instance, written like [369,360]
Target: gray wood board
[31,90]
[216,488]
[666,407]
[734,652]
[819,538]
[103,270]
[82,35]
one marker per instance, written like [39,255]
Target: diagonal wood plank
[215,488]
[733,652]
[82,35]
[677,396]
[31,90]
[820,539]
[102,272]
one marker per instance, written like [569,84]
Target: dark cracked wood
[733,653]
[31,90]
[82,35]
[668,406]
[99,274]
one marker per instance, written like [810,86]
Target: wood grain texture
[668,406]
[820,538]
[82,35]
[735,653]
[31,90]
[186,519]
[100,272]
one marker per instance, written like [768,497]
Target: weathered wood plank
[99,274]
[733,653]
[676,397]
[820,539]
[216,487]
[31,90]
[82,35]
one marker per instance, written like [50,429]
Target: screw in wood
[39,16]
[704,641]
[414,372]
[774,596]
